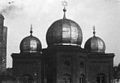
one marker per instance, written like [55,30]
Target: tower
[67,62]
[99,65]
[3,43]
[27,63]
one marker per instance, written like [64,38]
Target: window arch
[101,78]
[82,78]
[67,78]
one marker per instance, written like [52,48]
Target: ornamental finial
[31,30]
[94,30]
[64,3]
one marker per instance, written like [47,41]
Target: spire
[31,30]
[64,3]
[94,31]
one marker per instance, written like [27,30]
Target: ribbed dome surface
[95,44]
[64,32]
[30,44]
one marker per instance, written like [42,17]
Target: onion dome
[30,44]
[64,32]
[95,44]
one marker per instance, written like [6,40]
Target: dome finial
[94,30]
[31,30]
[64,3]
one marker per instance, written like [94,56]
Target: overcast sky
[20,14]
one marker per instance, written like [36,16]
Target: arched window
[27,79]
[82,78]
[101,78]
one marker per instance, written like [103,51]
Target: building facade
[64,60]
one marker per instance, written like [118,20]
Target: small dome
[95,44]
[64,32]
[30,44]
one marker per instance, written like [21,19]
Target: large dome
[30,44]
[64,32]
[95,44]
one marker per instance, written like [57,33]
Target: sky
[20,14]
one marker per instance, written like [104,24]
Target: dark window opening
[101,78]
[67,62]
[82,78]
[82,64]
